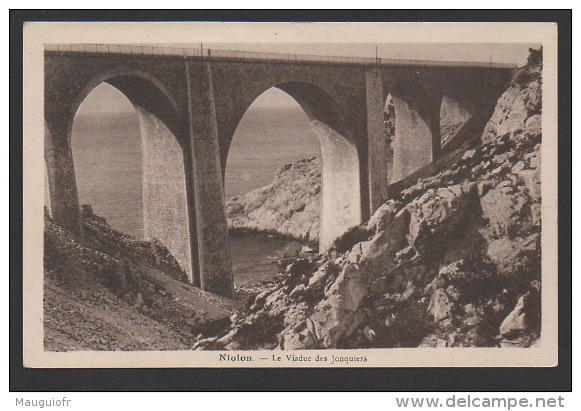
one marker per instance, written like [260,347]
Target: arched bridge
[190,101]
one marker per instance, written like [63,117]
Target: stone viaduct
[189,103]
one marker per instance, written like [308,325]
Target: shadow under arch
[143,90]
[463,117]
[341,204]
[417,128]
[453,115]
[168,213]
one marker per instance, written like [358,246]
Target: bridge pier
[165,208]
[344,194]
[62,185]
[417,130]
[341,192]
[376,140]
[212,229]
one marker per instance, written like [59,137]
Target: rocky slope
[453,260]
[110,291]
[289,206]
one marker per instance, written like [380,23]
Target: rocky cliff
[289,206]
[451,261]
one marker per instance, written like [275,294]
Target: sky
[107,99]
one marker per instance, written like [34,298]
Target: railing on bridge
[200,52]
[124,49]
[252,55]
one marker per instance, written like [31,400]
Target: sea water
[108,166]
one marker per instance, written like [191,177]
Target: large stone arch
[140,87]
[167,180]
[341,206]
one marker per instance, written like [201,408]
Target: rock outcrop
[289,206]
[452,260]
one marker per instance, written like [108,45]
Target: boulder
[437,213]
[300,267]
[516,320]
[318,278]
[383,216]
[339,313]
[468,154]
[440,306]
[533,126]
[533,96]
[518,167]
[502,208]
[379,253]
[534,158]
[532,181]
[514,256]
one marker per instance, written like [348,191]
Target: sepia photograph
[293,201]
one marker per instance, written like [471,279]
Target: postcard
[290,195]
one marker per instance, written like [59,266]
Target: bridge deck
[236,55]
